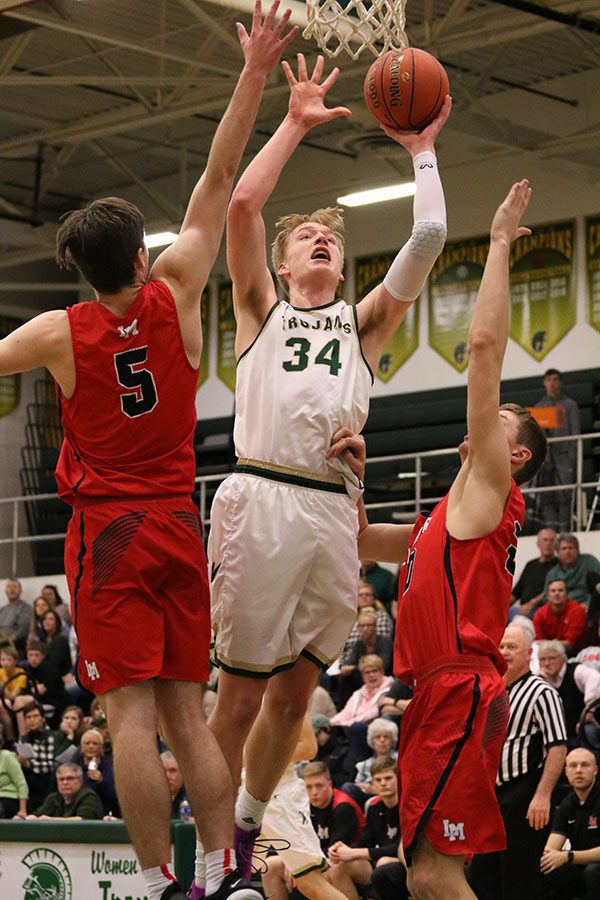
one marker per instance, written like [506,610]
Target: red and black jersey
[453,595]
[381,834]
[129,425]
[343,820]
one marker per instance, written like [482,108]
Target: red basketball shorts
[451,740]
[140,601]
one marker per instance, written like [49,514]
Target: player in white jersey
[282,549]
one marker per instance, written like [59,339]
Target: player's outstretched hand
[505,225]
[307,107]
[264,45]
[425,140]
[352,448]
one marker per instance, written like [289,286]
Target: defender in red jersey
[126,367]
[453,600]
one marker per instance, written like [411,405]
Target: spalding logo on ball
[405,89]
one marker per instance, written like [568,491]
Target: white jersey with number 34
[302,378]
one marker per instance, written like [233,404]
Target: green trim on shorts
[291,479]
[317,866]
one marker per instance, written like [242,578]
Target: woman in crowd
[57,645]
[362,706]
[13,787]
[98,770]
[50,593]
[69,729]
[382,737]
[40,607]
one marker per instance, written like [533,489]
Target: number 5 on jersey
[141,398]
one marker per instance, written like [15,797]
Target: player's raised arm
[254,291]
[383,309]
[43,341]
[484,482]
[186,264]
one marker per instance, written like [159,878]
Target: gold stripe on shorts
[292,475]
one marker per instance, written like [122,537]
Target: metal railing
[581,519]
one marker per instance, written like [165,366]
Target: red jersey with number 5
[453,596]
[129,425]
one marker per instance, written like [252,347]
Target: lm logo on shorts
[92,670]
[454,831]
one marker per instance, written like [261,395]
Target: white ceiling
[122,97]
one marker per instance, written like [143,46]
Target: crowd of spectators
[56,761]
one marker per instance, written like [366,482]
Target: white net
[358,24]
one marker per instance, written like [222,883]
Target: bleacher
[397,424]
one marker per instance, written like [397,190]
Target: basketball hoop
[358,24]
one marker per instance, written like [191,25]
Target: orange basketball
[405,89]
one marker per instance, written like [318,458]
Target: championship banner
[541,288]
[226,335]
[453,286]
[592,260]
[205,315]
[369,271]
[10,385]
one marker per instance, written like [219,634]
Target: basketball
[405,89]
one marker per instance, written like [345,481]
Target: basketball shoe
[243,842]
[173,892]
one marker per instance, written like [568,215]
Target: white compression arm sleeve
[407,274]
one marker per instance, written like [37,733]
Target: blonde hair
[370,661]
[330,216]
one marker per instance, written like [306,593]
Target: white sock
[200,866]
[249,812]
[219,864]
[157,879]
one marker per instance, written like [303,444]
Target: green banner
[453,286]
[205,314]
[541,288]
[369,271]
[226,336]
[10,385]
[592,259]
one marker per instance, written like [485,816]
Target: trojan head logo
[48,877]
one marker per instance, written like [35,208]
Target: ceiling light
[379,195]
[410,474]
[160,239]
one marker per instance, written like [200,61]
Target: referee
[532,759]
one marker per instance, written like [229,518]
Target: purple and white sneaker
[195,892]
[243,843]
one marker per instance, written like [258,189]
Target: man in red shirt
[561,619]
[126,367]
[454,593]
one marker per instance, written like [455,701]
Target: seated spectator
[366,600]
[392,705]
[362,706]
[333,750]
[378,842]
[573,567]
[13,681]
[575,872]
[528,592]
[576,683]
[383,584]
[57,645]
[591,655]
[50,687]
[38,745]
[97,768]
[370,642]
[13,786]
[334,815]
[321,703]
[72,802]
[382,737]
[50,593]
[100,723]
[176,785]
[15,615]
[561,619]
[69,729]
[38,611]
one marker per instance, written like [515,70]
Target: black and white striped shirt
[536,722]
